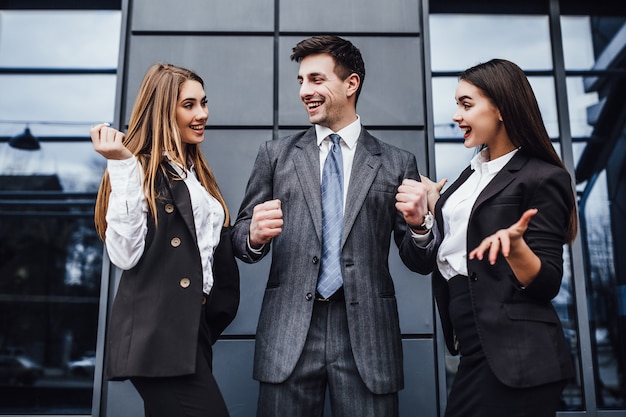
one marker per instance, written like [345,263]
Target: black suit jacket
[519,329]
[155,318]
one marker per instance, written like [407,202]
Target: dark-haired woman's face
[191,112]
[478,117]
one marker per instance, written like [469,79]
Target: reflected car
[84,366]
[19,370]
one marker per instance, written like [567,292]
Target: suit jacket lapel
[181,197]
[364,168]
[307,165]
[502,179]
[444,196]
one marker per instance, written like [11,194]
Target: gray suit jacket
[288,169]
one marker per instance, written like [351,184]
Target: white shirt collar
[481,163]
[349,134]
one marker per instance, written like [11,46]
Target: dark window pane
[49,293]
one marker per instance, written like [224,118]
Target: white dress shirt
[452,254]
[127,216]
[349,136]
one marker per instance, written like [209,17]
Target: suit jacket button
[309,296]
[473,276]
[315,260]
[175,242]
[169,208]
[185,282]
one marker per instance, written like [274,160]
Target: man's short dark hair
[348,59]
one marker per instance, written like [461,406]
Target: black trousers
[476,391]
[195,395]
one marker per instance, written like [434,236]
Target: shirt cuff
[120,170]
[252,250]
[421,239]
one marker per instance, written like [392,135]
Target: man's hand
[433,190]
[267,223]
[412,202]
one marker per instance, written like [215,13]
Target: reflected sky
[65,105]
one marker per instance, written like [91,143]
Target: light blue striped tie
[332,220]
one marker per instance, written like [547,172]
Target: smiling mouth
[313,105]
[467,131]
[197,128]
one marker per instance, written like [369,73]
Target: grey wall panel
[414,295]
[232,368]
[393,89]
[231,155]
[398,16]
[413,141]
[237,72]
[202,15]
[419,396]
[123,400]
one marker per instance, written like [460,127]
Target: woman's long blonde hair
[153,130]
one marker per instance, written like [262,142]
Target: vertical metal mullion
[275,130]
[576,253]
[107,282]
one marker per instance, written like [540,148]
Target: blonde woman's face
[192,112]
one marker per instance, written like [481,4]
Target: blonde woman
[166,225]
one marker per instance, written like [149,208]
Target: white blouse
[452,254]
[127,216]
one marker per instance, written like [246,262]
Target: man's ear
[352,82]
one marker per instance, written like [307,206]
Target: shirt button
[175,242]
[185,282]
[169,208]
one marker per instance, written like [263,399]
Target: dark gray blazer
[289,169]
[520,331]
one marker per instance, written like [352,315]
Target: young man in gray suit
[311,337]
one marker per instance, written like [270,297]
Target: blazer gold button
[169,208]
[175,242]
[185,282]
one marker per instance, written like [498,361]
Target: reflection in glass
[596,101]
[49,293]
[50,256]
[59,38]
[605,296]
[460,41]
